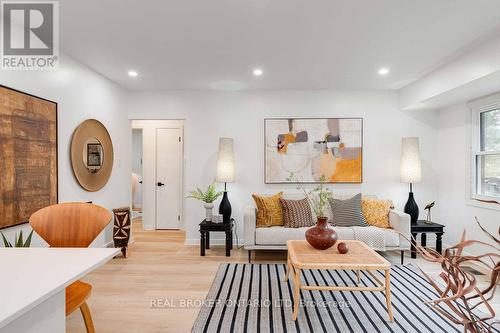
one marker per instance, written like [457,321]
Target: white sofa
[396,238]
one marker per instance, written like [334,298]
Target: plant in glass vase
[320,236]
[208,197]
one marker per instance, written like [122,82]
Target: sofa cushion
[280,235]
[296,213]
[269,210]
[348,212]
[376,212]
[300,195]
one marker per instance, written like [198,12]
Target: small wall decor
[312,149]
[92,155]
[28,155]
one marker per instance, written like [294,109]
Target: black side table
[207,227]
[423,228]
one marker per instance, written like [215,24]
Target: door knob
[160,184]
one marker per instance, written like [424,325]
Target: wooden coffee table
[360,257]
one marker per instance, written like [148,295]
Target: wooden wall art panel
[28,155]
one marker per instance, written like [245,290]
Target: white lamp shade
[225,161]
[411,168]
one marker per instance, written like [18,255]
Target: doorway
[162,173]
[137,172]
[168,176]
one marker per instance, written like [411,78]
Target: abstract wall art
[314,150]
[28,155]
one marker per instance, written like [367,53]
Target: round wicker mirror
[92,155]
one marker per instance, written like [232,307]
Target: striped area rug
[255,298]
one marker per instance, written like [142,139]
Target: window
[486,153]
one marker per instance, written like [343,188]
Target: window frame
[478,107]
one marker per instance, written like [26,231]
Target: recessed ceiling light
[383,71]
[132,73]
[258,72]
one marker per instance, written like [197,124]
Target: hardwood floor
[161,267]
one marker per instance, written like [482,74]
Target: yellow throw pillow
[376,212]
[269,210]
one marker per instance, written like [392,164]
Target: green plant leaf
[28,240]
[209,196]
[19,241]
[6,243]
[318,197]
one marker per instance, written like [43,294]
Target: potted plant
[208,197]
[18,242]
[321,236]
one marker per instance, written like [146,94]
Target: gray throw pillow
[347,213]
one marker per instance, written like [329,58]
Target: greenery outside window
[486,153]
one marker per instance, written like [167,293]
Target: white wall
[81,94]
[210,115]
[454,208]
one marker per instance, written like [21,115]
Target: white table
[33,283]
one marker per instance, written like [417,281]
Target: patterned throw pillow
[347,213]
[297,213]
[376,212]
[269,210]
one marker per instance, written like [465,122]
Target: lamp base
[225,208]
[411,208]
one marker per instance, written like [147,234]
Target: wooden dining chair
[72,224]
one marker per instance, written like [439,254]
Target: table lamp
[225,174]
[411,172]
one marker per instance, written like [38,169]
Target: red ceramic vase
[321,236]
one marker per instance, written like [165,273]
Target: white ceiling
[300,44]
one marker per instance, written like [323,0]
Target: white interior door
[168,177]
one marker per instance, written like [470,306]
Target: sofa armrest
[400,222]
[249,226]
